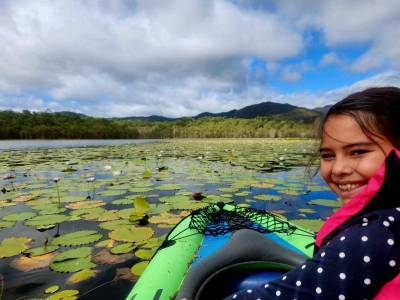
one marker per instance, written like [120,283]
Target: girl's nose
[342,167]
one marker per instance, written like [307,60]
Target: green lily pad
[46,220]
[82,276]
[268,197]
[136,234]
[139,268]
[13,246]
[123,248]
[72,260]
[7,224]
[64,295]
[112,225]
[37,251]
[146,254]
[52,289]
[323,202]
[77,238]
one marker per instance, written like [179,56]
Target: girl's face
[349,157]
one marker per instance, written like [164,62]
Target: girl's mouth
[348,186]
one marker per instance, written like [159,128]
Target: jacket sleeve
[353,265]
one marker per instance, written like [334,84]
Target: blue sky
[180,58]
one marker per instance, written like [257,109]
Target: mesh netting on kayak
[214,220]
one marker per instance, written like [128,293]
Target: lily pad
[77,238]
[72,260]
[46,220]
[136,234]
[139,268]
[64,295]
[37,251]
[82,276]
[123,248]
[13,246]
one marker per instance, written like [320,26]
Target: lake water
[34,144]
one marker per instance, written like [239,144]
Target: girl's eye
[327,155]
[358,152]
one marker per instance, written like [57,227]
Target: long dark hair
[376,110]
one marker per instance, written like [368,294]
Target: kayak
[220,249]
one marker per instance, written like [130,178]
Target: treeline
[63,125]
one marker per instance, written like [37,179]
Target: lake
[97,184]
[32,144]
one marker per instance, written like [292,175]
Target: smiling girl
[357,250]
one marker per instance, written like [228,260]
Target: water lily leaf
[38,203]
[86,204]
[216,199]
[26,264]
[307,210]
[122,201]
[158,208]
[46,220]
[82,276]
[112,193]
[104,257]
[71,199]
[141,206]
[64,295]
[72,260]
[13,246]
[125,213]
[324,202]
[45,227]
[140,189]
[190,205]
[7,224]
[142,184]
[166,218]
[139,268]
[106,243]
[6,204]
[27,197]
[176,198]
[168,187]
[52,210]
[123,248]
[146,173]
[77,238]
[268,197]
[112,225]
[37,251]
[107,215]
[313,225]
[228,189]
[136,234]
[146,254]
[51,289]
[78,212]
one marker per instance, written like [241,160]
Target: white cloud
[180,58]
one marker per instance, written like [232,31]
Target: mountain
[271,110]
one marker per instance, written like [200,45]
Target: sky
[176,58]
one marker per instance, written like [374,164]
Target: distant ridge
[271,110]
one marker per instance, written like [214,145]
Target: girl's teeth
[348,186]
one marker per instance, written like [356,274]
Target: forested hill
[271,110]
[255,121]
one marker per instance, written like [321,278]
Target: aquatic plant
[56,180]
[8,177]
